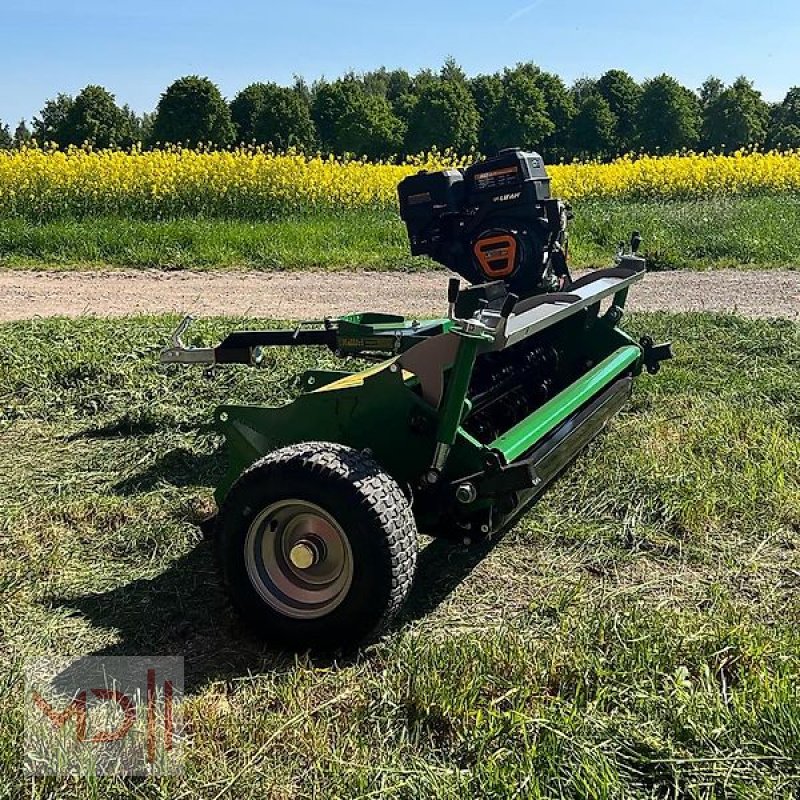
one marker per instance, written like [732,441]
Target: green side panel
[525,434]
[383,414]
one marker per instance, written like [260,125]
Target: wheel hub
[298,559]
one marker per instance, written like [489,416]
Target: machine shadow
[180,466]
[441,566]
[182,611]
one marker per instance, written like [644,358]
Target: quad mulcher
[456,430]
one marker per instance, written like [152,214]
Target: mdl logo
[104,716]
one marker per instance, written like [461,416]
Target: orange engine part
[497,255]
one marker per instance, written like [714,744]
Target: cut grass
[748,232]
[636,635]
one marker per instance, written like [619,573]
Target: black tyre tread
[380,496]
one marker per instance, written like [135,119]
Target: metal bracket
[178,353]
[654,354]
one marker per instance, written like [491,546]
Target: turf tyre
[369,509]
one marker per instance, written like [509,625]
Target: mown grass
[636,635]
[748,232]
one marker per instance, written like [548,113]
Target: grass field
[740,232]
[636,635]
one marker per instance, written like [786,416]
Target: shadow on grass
[184,612]
[441,567]
[181,612]
[178,467]
[144,423]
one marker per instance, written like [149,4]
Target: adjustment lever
[453,290]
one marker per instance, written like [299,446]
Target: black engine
[493,221]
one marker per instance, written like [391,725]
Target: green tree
[669,116]
[560,108]
[594,128]
[787,136]
[245,107]
[737,117]
[138,127]
[710,91]
[351,120]
[51,124]
[22,135]
[622,94]
[398,83]
[192,110]
[487,92]
[270,114]
[6,139]
[327,107]
[402,108]
[784,124]
[300,85]
[94,118]
[283,119]
[452,71]
[391,84]
[444,115]
[582,88]
[520,118]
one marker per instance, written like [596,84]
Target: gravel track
[313,294]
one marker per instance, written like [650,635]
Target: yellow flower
[255,183]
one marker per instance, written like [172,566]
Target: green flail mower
[454,432]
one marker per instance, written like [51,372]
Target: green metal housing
[425,445]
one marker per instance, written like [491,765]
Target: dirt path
[316,294]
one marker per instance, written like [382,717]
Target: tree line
[386,113]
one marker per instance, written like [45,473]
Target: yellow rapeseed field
[251,184]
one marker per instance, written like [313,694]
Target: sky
[137,47]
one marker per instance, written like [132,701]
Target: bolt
[432,476]
[223,417]
[466,493]
[467,541]
[311,380]
[393,368]
[304,554]
[484,529]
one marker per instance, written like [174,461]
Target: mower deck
[456,430]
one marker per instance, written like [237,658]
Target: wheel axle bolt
[304,554]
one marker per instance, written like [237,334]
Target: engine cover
[492,221]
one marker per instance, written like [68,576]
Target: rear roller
[318,546]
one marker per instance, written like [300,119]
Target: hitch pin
[178,353]
[177,335]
